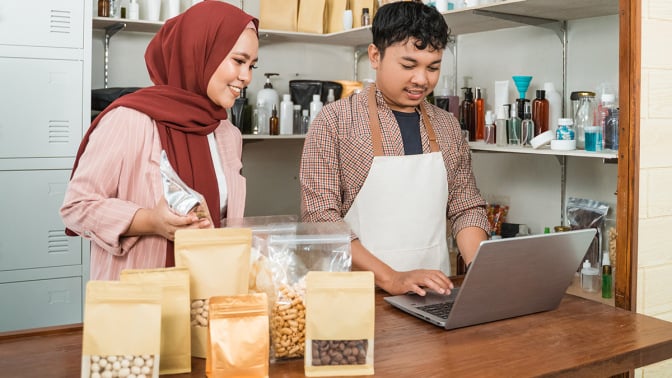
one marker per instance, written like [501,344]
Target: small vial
[305,121]
[274,122]
[366,17]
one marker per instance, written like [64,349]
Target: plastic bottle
[540,112]
[134,10]
[611,131]
[262,117]
[554,106]
[479,106]
[585,117]
[296,119]
[274,122]
[500,126]
[305,121]
[467,114]
[286,115]
[490,128]
[606,276]
[103,8]
[527,126]
[241,113]
[605,108]
[366,17]
[444,98]
[589,278]
[331,97]
[565,130]
[514,126]
[315,107]
[268,96]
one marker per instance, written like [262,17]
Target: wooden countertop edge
[38,332]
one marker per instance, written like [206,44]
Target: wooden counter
[580,338]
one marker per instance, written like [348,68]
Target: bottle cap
[305,112]
[297,107]
[489,117]
[605,259]
[586,264]
[565,122]
[542,139]
[501,112]
[316,97]
[608,97]
[286,97]
[541,94]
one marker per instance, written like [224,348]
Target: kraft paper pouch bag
[312,16]
[175,306]
[321,246]
[122,329]
[279,14]
[340,317]
[218,260]
[334,15]
[238,338]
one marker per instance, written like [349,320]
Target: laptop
[507,278]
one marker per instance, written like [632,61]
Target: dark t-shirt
[409,125]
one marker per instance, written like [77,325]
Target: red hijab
[181,58]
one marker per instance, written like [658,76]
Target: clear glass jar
[585,117]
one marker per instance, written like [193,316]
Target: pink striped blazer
[118,174]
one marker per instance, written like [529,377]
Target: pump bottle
[468,113]
[268,97]
[286,115]
[527,126]
[445,99]
[241,113]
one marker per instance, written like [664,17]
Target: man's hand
[417,281]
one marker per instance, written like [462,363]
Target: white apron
[399,214]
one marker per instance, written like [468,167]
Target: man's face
[405,75]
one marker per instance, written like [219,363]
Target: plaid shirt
[338,154]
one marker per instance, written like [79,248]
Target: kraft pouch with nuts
[218,260]
[238,338]
[314,247]
[340,317]
[122,329]
[175,305]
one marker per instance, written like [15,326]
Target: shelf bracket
[109,32]
[359,51]
[562,159]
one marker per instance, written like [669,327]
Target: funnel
[522,83]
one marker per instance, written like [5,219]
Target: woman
[199,62]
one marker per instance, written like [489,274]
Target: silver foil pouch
[180,197]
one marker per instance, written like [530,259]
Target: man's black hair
[399,21]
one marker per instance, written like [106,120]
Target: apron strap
[374,125]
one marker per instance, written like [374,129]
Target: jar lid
[581,94]
[565,121]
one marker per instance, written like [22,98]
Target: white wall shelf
[272,137]
[545,150]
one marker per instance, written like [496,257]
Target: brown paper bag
[279,14]
[340,317]
[218,260]
[122,329]
[357,6]
[238,343]
[334,15]
[175,306]
[312,16]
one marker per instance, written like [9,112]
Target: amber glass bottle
[468,114]
[479,106]
[274,122]
[540,112]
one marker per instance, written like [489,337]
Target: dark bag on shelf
[302,91]
[103,97]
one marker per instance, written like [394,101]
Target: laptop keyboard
[438,309]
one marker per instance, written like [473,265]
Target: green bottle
[606,276]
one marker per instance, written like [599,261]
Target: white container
[347,19]
[315,107]
[286,115]
[442,5]
[169,9]
[554,106]
[133,10]
[151,10]
[590,278]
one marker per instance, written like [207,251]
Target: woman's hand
[162,221]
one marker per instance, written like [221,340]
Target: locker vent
[58,242]
[60,21]
[59,131]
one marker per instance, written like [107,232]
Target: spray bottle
[268,97]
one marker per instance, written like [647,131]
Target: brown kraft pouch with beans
[122,330]
[340,317]
[218,260]
[279,14]
[175,328]
[238,340]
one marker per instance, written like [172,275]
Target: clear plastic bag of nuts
[313,247]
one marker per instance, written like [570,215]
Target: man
[393,166]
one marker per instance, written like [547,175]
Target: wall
[654,261]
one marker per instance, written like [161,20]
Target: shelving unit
[546,150]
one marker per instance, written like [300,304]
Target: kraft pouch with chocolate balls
[180,197]
[238,340]
[218,260]
[340,317]
[122,329]
[318,246]
[175,306]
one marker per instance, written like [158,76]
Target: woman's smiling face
[235,71]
